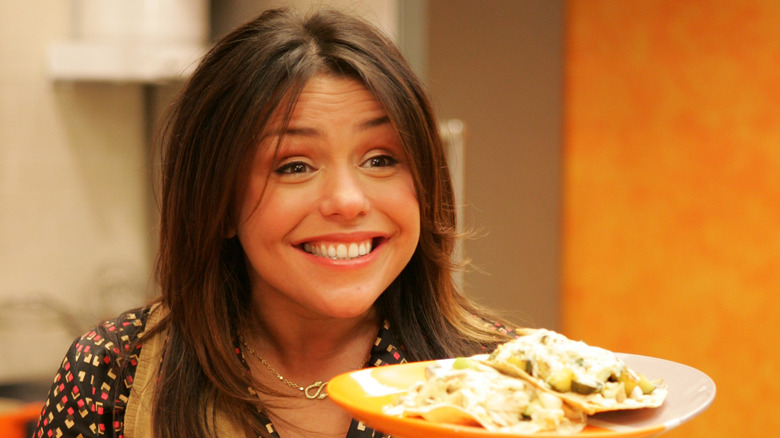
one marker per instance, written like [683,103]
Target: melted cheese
[549,352]
[482,395]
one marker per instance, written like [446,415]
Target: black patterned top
[89,395]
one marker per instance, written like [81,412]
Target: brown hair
[213,128]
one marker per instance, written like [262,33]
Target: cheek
[255,220]
[272,214]
[405,206]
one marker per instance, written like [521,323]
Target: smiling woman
[307,229]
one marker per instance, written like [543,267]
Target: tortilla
[479,395]
[589,378]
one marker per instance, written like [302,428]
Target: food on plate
[540,382]
[589,378]
[471,393]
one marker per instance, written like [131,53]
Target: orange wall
[672,194]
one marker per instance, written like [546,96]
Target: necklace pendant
[315,391]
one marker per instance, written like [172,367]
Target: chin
[349,310]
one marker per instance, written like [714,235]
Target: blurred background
[618,161]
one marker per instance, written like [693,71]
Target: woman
[307,229]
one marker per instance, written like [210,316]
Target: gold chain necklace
[315,391]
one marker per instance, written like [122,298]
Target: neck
[291,343]
[291,339]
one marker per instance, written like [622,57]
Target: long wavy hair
[212,131]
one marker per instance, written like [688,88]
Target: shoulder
[501,328]
[111,344]
[112,341]
[497,332]
[119,334]
[91,387]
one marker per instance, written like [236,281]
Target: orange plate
[364,393]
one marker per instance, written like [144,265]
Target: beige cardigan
[138,416]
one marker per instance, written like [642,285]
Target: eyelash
[295,167]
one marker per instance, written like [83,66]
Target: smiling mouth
[339,250]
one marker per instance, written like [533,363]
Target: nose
[344,195]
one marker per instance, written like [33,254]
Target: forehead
[329,108]
[332,99]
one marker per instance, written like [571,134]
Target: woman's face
[329,221]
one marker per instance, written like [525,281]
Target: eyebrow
[312,132]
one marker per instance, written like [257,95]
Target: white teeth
[339,251]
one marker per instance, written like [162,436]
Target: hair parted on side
[214,126]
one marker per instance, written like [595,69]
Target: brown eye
[294,167]
[380,161]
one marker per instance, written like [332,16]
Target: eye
[294,167]
[380,161]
